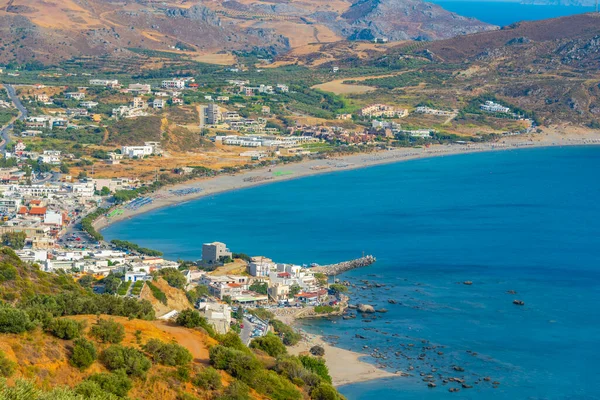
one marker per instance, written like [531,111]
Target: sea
[515,224]
[504,13]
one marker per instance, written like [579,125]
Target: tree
[131,360]
[13,320]
[64,168]
[239,314]
[170,354]
[270,344]
[196,293]
[82,175]
[316,365]
[116,383]
[295,289]
[65,328]
[337,288]
[189,318]
[104,191]
[84,353]
[14,240]
[108,331]
[259,287]
[321,278]
[86,281]
[174,277]
[208,379]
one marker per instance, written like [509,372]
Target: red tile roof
[37,211]
[23,210]
[35,202]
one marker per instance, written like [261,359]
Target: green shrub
[324,392]
[8,272]
[108,331]
[316,365]
[237,390]
[326,309]
[7,367]
[287,334]
[174,277]
[13,320]
[65,328]
[208,379]
[236,363]
[233,341]
[116,383]
[26,390]
[84,353]
[274,386]
[270,344]
[192,319]
[170,354]
[157,293]
[131,360]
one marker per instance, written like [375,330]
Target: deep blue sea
[523,220]
[504,13]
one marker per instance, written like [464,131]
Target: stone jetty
[336,269]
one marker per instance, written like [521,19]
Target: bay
[523,220]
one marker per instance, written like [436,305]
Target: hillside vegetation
[60,341]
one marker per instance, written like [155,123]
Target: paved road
[246,331]
[17,102]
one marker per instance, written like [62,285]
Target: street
[17,102]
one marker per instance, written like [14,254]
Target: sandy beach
[345,366]
[279,173]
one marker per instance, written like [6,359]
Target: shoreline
[262,176]
[345,366]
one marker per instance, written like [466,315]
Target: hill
[73,344]
[44,359]
[20,281]
[547,68]
[48,32]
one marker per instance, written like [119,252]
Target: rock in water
[366,308]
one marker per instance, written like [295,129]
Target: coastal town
[80,157]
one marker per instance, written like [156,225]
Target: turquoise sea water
[504,13]
[523,220]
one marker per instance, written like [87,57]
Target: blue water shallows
[503,13]
[525,221]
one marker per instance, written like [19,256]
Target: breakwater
[336,269]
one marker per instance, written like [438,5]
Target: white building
[137,151]
[261,267]
[490,106]
[158,103]
[75,95]
[173,84]
[104,82]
